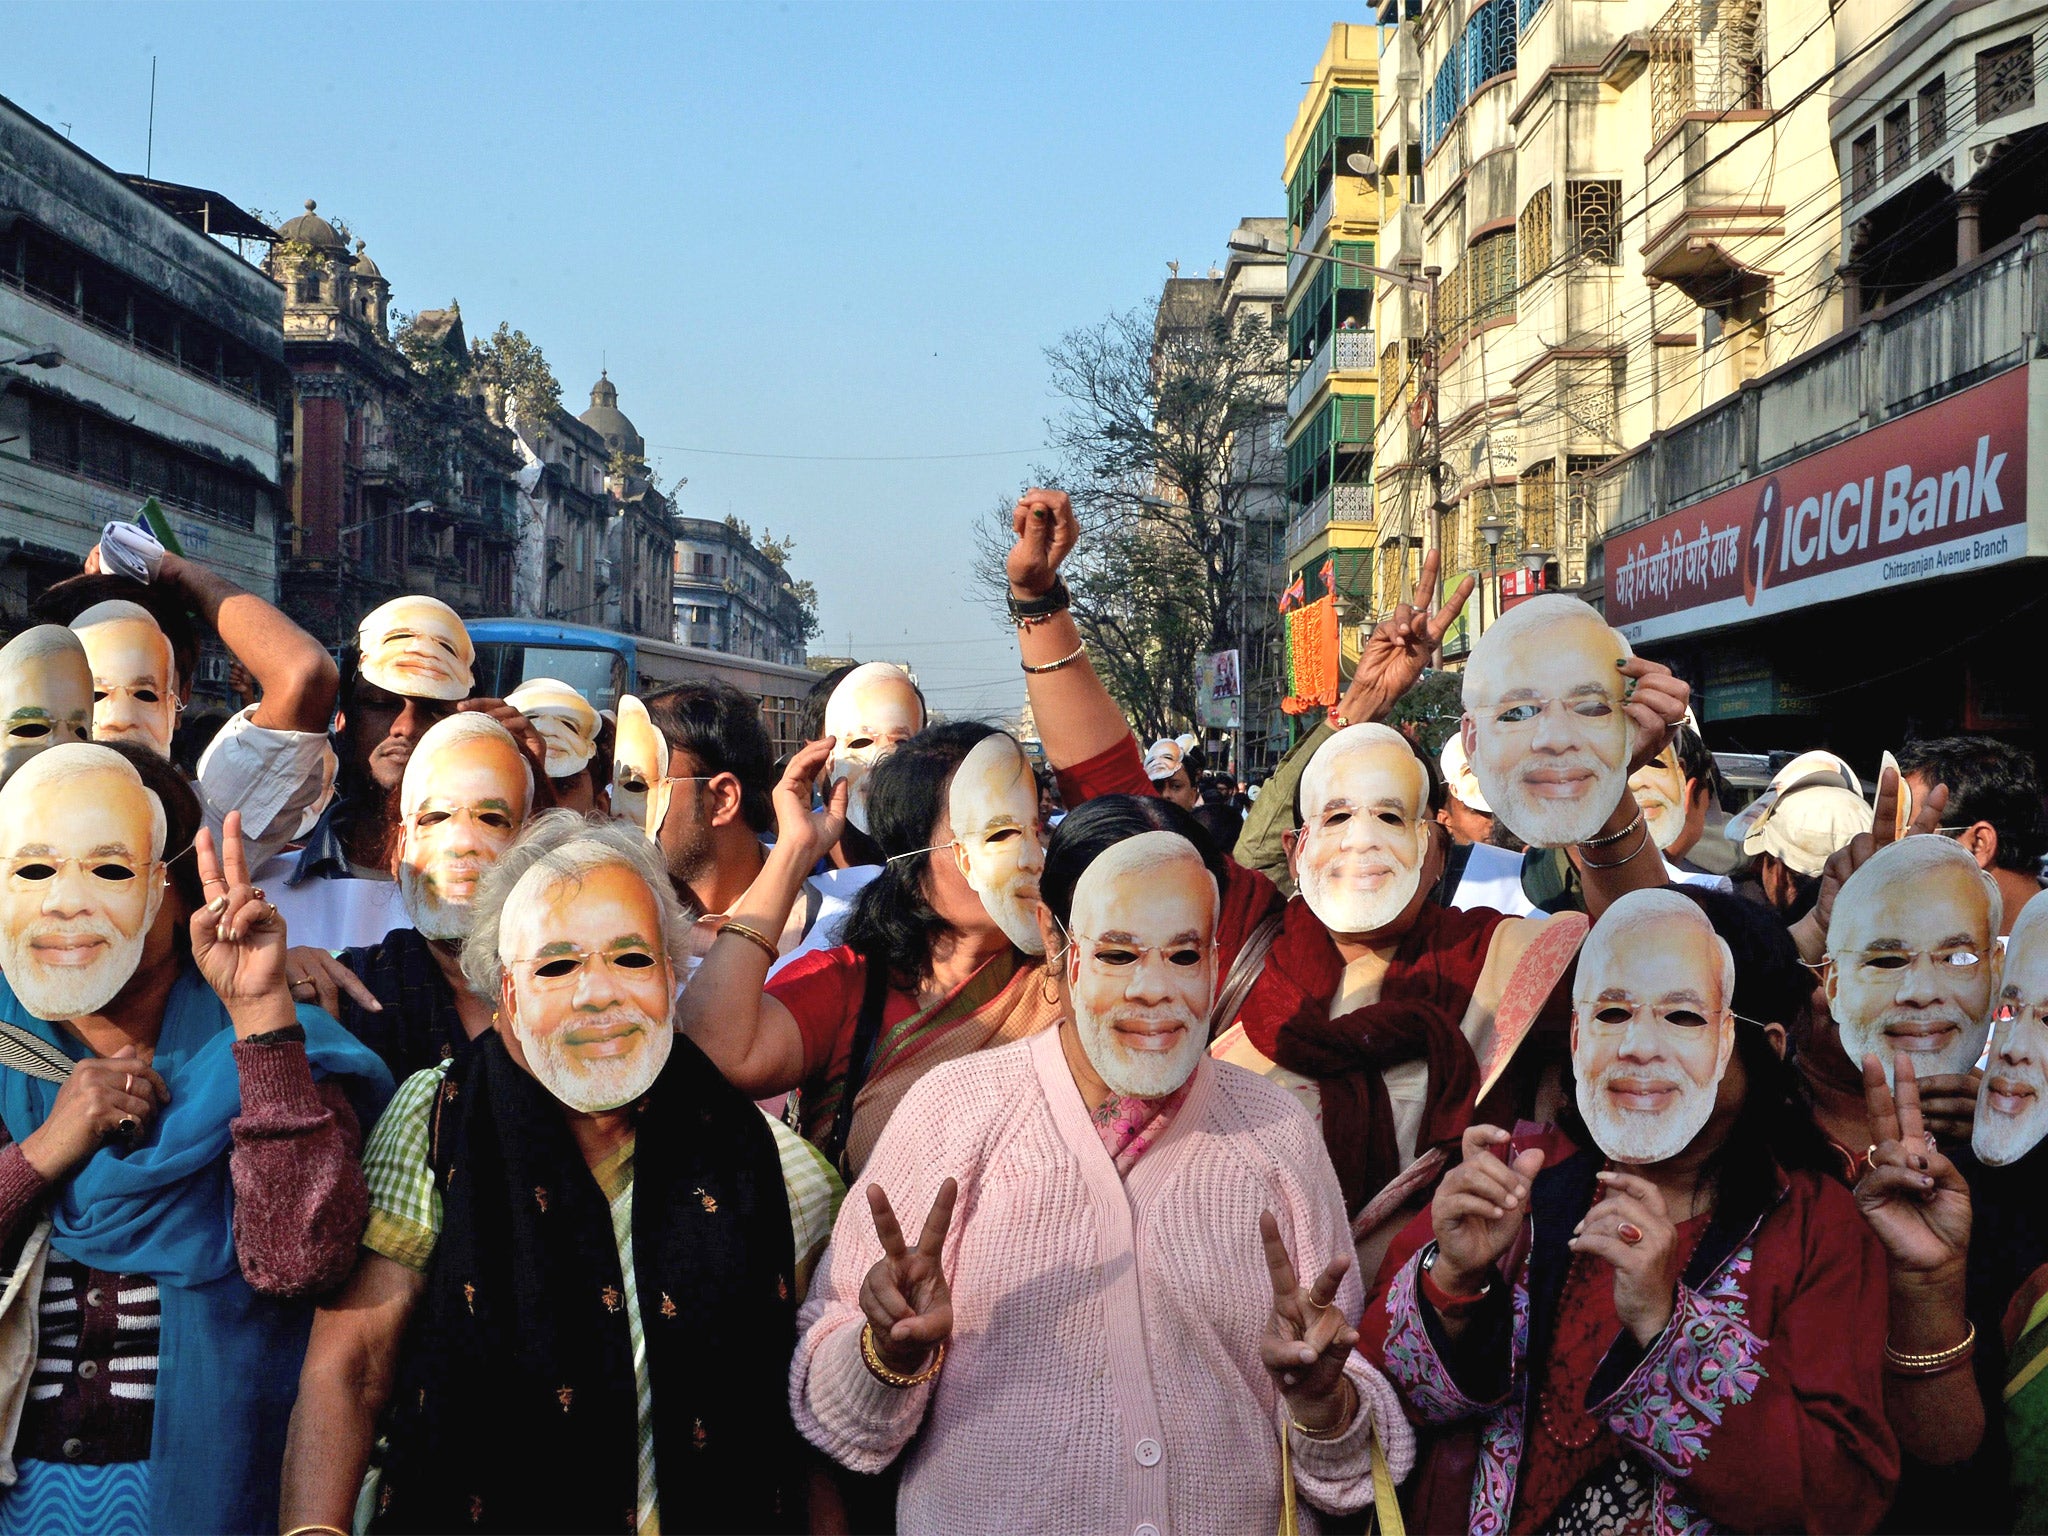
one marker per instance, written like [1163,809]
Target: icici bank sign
[1934,493]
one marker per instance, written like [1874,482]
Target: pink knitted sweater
[1104,1371]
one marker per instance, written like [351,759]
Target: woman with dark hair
[1664,1315]
[1144,1317]
[938,958]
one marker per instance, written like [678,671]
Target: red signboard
[1517,586]
[1933,493]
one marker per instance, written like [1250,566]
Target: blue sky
[789,230]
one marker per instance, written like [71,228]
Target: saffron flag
[1296,594]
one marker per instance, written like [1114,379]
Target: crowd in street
[448,1113]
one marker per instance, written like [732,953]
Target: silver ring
[128,1083]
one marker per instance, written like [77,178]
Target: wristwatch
[1029,609]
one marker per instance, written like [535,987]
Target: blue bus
[603,666]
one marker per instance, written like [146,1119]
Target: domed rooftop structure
[310,229]
[606,419]
[364,267]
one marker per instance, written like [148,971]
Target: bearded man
[467,790]
[1150,1209]
[1336,1004]
[608,1289]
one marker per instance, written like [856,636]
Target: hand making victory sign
[1307,1338]
[238,938]
[1912,1196]
[1401,646]
[908,1304]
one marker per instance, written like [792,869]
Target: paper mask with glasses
[134,675]
[1912,962]
[1140,963]
[640,782]
[992,804]
[1653,1025]
[587,978]
[45,693]
[2012,1101]
[1365,829]
[418,647]
[466,791]
[565,720]
[874,710]
[1545,727]
[82,839]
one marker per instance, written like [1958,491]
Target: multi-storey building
[1333,219]
[396,478]
[1843,552]
[139,357]
[640,541]
[730,597]
[1253,294]
[564,570]
[1585,294]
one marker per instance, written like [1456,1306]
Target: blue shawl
[228,1364]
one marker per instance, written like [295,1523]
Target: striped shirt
[405,1220]
[92,1398]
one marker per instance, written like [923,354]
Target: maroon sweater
[300,1207]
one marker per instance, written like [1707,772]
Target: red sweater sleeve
[301,1201]
[822,991]
[1118,771]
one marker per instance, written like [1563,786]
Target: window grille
[1705,56]
[1486,47]
[1898,141]
[1863,164]
[1587,384]
[1933,114]
[2005,79]
[1594,208]
[1534,231]
[1539,504]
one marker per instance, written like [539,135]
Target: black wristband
[1054,600]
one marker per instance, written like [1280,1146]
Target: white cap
[1807,768]
[1805,823]
[1459,777]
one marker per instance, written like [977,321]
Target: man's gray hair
[1903,863]
[452,731]
[1622,925]
[558,847]
[67,762]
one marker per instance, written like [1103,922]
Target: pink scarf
[1129,1126]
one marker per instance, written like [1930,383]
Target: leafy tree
[1166,435]
[512,367]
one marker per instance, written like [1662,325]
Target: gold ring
[1870,1157]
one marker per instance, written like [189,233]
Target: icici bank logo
[1757,565]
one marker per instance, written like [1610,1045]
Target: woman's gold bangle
[316,1530]
[753,936]
[1933,1364]
[871,1357]
[1338,1428]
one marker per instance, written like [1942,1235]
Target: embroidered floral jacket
[1759,1407]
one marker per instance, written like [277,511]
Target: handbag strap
[1244,971]
[29,1054]
[867,1031]
[1385,1501]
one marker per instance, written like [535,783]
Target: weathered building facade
[640,541]
[730,597]
[396,478]
[138,357]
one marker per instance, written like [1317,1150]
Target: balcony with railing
[1337,504]
[1342,352]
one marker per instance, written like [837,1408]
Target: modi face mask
[1912,957]
[1659,789]
[45,693]
[134,675]
[640,781]
[463,799]
[993,806]
[1544,725]
[81,858]
[566,722]
[874,710]
[1652,1026]
[2012,1101]
[587,982]
[1141,963]
[1365,818]
[417,646]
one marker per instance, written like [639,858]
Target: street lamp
[46,357]
[417,506]
[1260,245]
[1490,529]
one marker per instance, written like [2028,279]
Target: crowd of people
[423,1112]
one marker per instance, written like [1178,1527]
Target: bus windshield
[599,675]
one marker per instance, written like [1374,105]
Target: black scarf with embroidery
[516,1408]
